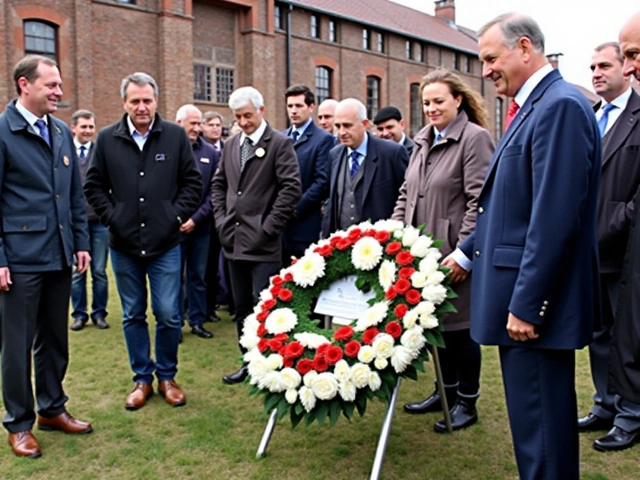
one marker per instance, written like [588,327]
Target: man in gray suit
[618,117]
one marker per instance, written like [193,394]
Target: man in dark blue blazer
[312,145]
[535,290]
[366,172]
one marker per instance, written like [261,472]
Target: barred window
[278,18]
[380,43]
[373,96]
[333,33]
[224,84]
[315,26]
[323,84]
[417,118]
[365,39]
[40,38]
[409,49]
[202,82]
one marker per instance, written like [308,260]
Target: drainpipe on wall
[289,12]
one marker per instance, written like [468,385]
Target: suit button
[142,225]
[141,199]
[143,252]
[480,210]
[541,314]
[57,197]
[545,302]
[413,204]
[61,227]
[142,174]
[237,224]
[478,253]
[25,227]
[239,193]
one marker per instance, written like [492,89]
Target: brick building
[200,50]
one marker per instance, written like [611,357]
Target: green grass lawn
[216,435]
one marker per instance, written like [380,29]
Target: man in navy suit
[312,145]
[366,172]
[535,290]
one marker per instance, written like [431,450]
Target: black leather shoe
[463,415]
[100,323]
[431,404]
[593,423]
[213,317]
[77,325]
[616,439]
[237,377]
[200,331]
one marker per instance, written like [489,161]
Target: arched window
[416,108]
[40,38]
[373,96]
[499,118]
[323,84]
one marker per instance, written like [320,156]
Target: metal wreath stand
[386,424]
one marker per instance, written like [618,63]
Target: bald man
[326,114]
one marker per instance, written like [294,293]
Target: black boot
[433,403]
[463,414]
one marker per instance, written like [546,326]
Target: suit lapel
[370,167]
[618,133]
[56,142]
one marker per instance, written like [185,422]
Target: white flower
[291,396]
[388,225]
[307,398]
[366,225]
[360,374]
[272,381]
[366,354]
[325,386]
[281,320]
[418,279]
[372,316]
[401,358]
[435,278]
[425,308]
[308,269]
[383,345]
[387,274]
[258,368]
[366,253]
[413,338]
[398,234]
[380,363]
[410,236]
[275,361]
[342,371]
[265,295]
[429,264]
[260,152]
[249,341]
[310,340]
[435,294]
[410,318]
[374,381]
[428,321]
[309,378]
[252,354]
[347,391]
[291,378]
[251,325]
[420,248]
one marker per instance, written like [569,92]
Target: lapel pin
[260,152]
[65,160]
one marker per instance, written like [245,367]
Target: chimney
[554,59]
[446,10]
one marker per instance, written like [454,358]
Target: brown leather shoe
[172,393]
[65,423]
[138,396]
[24,444]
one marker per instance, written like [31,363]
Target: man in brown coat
[255,192]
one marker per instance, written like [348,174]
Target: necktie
[604,119]
[511,114]
[244,153]
[438,139]
[295,136]
[44,131]
[354,163]
[82,153]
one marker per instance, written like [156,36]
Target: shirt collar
[255,136]
[28,116]
[362,148]
[404,137]
[301,129]
[531,83]
[133,129]
[620,101]
[78,144]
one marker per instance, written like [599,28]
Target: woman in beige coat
[441,188]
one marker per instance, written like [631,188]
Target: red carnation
[369,335]
[401,310]
[394,329]
[275,344]
[294,260]
[343,244]
[288,277]
[413,296]
[263,344]
[285,295]
[294,350]
[261,330]
[352,348]
[325,250]
[322,349]
[304,366]
[277,280]
[393,248]
[354,234]
[335,240]
[268,304]
[333,355]
[275,290]
[283,337]
[287,362]
[383,236]
[320,363]
[344,333]
[402,286]
[282,350]
[406,272]
[369,233]
[404,258]
[391,293]
[262,316]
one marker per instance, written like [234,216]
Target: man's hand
[83,259]
[188,226]
[5,279]
[519,330]
[457,273]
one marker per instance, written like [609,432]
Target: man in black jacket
[144,185]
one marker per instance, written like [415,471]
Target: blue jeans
[99,238]
[194,250]
[131,274]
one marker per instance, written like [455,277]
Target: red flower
[354,235]
[285,295]
[261,330]
[394,329]
[333,355]
[344,333]
[287,362]
[406,272]
[369,233]
[283,337]
[343,244]
[402,286]
[269,304]
[275,290]
[263,344]
[275,344]
[383,236]
[334,240]
[295,350]
[401,310]
[393,248]
[404,258]
[369,335]
[413,296]
[288,277]
[262,316]
[352,348]
[391,293]
[304,366]
[320,363]
[294,260]
[277,280]
[325,250]
[282,350]
[322,349]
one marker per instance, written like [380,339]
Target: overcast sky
[571,27]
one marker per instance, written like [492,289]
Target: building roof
[391,16]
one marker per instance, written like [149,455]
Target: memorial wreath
[314,373]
